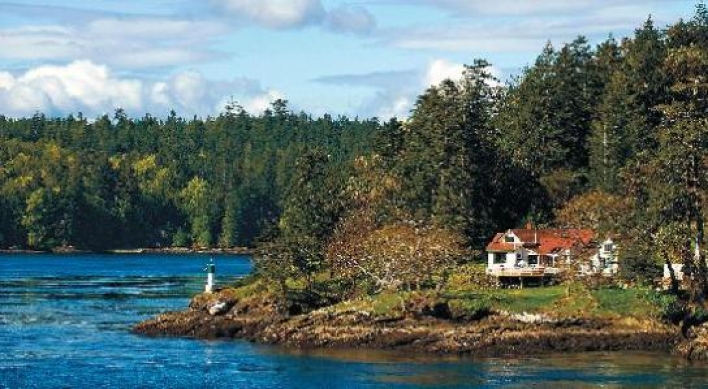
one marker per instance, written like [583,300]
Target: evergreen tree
[627,118]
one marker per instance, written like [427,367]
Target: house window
[509,239]
[533,259]
[608,248]
[499,259]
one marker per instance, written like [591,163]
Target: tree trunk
[700,261]
[672,274]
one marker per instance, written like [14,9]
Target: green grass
[386,304]
[623,302]
[561,300]
[576,301]
[246,289]
[467,294]
[512,300]
[531,300]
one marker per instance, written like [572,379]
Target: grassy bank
[572,318]
[468,296]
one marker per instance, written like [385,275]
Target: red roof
[543,241]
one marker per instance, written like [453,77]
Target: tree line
[117,182]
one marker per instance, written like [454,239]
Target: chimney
[529,225]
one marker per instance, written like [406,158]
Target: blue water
[65,321]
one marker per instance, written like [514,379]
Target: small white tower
[210,269]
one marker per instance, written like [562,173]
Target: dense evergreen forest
[612,137]
[117,182]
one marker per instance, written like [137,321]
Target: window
[499,258]
[533,259]
[608,248]
[509,239]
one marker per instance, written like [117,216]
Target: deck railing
[522,271]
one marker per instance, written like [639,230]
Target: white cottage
[534,254]
[605,260]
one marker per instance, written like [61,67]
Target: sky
[361,58]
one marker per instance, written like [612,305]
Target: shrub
[672,308]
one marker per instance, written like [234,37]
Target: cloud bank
[290,14]
[276,13]
[134,43]
[395,92]
[83,86]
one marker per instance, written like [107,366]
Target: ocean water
[65,322]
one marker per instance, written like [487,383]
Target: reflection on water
[65,320]
[586,370]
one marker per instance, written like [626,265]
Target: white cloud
[93,89]
[123,42]
[287,14]
[523,27]
[440,70]
[386,105]
[395,92]
[350,19]
[80,85]
[150,28]
[276,13]
[526,8]
[507,35]
[40,42]
[262,102]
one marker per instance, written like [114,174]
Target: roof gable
[544,241]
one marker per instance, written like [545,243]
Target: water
[65,320]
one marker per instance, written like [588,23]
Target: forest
[612,137]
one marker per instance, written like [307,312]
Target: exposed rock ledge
[258,320]
[695,345]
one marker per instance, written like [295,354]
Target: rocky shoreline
[221,315]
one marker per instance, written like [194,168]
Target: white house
[605,260]
[535,254]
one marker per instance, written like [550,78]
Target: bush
[672,308]
[246,280]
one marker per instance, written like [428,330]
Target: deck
[517,277]
[523,272]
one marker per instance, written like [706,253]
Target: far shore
[142,250]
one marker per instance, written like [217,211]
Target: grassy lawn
[622,302]
[512,300]
[527,300]
[561,300]
[467,295]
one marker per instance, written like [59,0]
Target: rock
[530,318]
[695,344]
[219,308]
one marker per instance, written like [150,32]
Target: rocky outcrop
[695,345]
[262,320]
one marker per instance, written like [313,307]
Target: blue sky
[356,58]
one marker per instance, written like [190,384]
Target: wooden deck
[518,277]
[523,272]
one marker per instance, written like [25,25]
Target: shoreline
[260,320]
[141,250]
